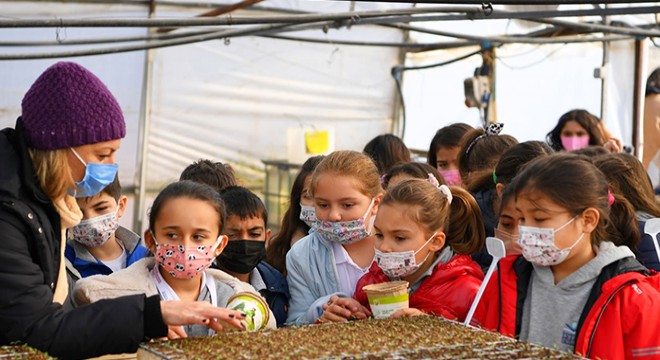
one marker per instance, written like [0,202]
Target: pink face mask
[572,143]
[185,262]
[452,177]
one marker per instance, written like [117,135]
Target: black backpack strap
[523,270]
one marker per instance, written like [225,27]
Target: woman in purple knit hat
[63,146]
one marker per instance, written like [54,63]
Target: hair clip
[610,198]
[494,129]
[490,130]
[494,177]
[447,192]
[382,179]
[433,180]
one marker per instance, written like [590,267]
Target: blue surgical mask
[97,177]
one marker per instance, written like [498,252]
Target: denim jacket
[312,277]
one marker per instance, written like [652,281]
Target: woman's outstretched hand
[177,313]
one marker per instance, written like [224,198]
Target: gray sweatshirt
[551,312]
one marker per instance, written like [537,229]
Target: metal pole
[140,193]
[638,98]
[603,76]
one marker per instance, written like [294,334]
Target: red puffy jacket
[621,319]
[448,292]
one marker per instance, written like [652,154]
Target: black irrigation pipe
[120,39]
[512,39]
[412,46]
[505,2]
[257,30]
[468,13]
[602,28]
[223,20]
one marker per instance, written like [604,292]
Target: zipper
[600,314]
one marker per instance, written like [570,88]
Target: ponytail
[622,227]
[458,215]
[465,228]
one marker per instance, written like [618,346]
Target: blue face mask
[97,177]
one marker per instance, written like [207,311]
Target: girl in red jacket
[577,286]
[424,235]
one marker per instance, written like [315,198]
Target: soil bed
[422,337]
[21,352]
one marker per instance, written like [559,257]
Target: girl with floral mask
[324,266]
[99,245]
[424,235]
[577,286]
[184,236]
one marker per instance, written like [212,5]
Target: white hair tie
[433,180]
[447,192]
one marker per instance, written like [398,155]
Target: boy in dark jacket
[99,245]
[243,257]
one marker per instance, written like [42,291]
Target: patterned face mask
[96,231]
[185,262]
[345,232]
[403,263]
[308,215]
[538,245]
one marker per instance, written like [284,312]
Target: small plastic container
[253,306]
[386,298]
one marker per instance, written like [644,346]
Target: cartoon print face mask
[538,244]
[185,262]
[403,263]
[96,231]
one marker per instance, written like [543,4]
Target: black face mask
[242,256]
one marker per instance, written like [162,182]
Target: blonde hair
[354,164]
[53,172]
[460,220]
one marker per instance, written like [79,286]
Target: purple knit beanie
[68,106]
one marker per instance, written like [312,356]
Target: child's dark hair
[243,203]
[215,174]
[478,157]
[386,151]
[591,151]
[627,176]
[574,183]
[280,243]
[415,169]
[113,189]
[587,120]
[461,220]
[449,136]
[187,189]
[516,157]
[653,83]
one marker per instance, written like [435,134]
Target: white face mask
[403,263]
[308,215]
[96,231]
[538,244]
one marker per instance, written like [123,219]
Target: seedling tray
[422,337]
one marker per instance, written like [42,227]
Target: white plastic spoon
[652,227]
[497,250]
